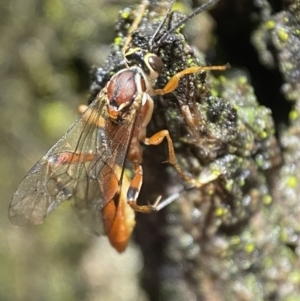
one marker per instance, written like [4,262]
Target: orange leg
[135,24]
[61,163]
[157,139]
[69,158]
[134,191]
[174,81]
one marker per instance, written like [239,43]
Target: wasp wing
[85,163]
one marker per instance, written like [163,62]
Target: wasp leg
[174,81]
[61,176]
[135,24]
[69,158]
[134,190]
[157,139]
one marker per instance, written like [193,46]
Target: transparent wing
[86,163]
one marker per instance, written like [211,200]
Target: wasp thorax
[121,92]
[150,63]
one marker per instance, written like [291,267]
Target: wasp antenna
[135,24]
[151,43]
[197,11]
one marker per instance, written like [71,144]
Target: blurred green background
[46,50]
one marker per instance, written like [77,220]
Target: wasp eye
[155,63]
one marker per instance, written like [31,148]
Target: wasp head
[150,63]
